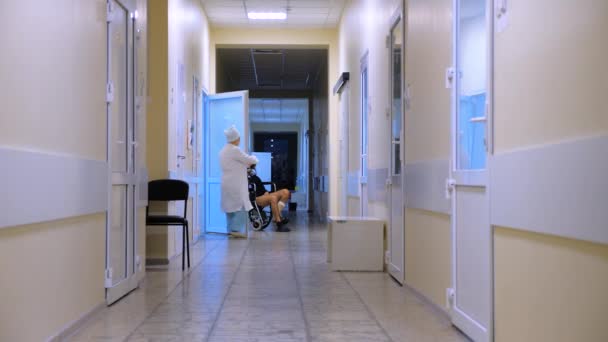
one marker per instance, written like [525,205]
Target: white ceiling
[300,13]
[278,110]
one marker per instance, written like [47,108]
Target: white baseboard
[439,310]
[71,328]
[559,189]
[39,187]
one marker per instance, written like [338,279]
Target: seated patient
[276,199]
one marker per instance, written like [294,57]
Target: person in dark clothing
[276,199]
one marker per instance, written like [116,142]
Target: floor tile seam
[367,308]
[299,291]
[156,306]
[172,291]
[232,281]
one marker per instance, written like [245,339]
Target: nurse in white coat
[235,196]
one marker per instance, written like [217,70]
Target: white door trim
[471,178]
[396,182]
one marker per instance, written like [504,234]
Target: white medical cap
[232,134]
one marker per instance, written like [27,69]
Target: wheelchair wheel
[266,218]
[255,219]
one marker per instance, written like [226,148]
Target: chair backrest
[167,190]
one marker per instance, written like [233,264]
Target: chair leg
[183,246]
[188,244]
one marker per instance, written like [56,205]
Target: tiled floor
[272,287]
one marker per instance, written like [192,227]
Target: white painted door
[344,147]
[364,163]
[396,233]
[471,303]
[192,141]
[202,143]
[220,111]
[181,167]
[121,266]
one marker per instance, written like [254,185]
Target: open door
[472,301]
[219,112]
[396,231]
[121,233]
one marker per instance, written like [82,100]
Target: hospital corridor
[304,170]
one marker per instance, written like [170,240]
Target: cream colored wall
[294,38]
[52,274]
[188,32]
[179,34]
[53,61]
[549,88]
[428,52]
[157,118]
[188,35]
[549,288]
[368,21]
[158,96]
[428,261]
[53,67]
[560,74]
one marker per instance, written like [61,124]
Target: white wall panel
[376,182]
[425,185]
[559,189]
[38,187]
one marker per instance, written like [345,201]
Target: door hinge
[500,8]
[450,184]
[449,298]
[110,92]
[407,97]
[389,182]
[108,278]
[449,77]
[138,264]
[109,10]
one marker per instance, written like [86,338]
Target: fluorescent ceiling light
[267,15]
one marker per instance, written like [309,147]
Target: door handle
[478,119]
[181,157]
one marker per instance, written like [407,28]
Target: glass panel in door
[396,231]
[471,85]
[119,27]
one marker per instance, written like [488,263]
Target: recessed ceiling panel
[300,13]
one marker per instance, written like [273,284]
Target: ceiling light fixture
[267,15]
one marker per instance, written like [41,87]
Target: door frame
[130,177]
[364,148]
[344,147]
[471,178]
[398,18]
[245,141]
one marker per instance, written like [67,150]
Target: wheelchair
[260,217]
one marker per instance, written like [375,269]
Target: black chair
[167,190]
